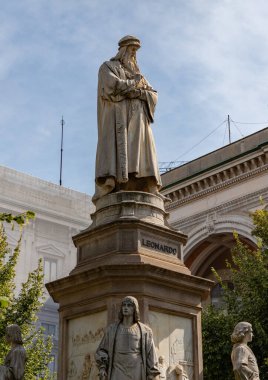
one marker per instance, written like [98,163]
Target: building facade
[60,214]
[212,196]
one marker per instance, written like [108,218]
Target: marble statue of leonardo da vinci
[126,155]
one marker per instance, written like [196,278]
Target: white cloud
[206,58]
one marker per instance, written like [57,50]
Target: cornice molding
[20,206]
[250,200]
[232,154]
[225,178]
[49,250]
[32,182]
[218,226]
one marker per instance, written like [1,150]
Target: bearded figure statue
[126,155]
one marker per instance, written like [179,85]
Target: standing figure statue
[126,155]
[180,373]
[13,368]
[244,362]
[162,367]
[177,372]
[127,349]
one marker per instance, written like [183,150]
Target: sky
[206,59]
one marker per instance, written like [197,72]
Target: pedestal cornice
[108,280]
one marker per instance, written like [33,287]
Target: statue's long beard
[131,65]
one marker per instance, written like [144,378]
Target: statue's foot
[106,188]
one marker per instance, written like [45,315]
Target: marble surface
[126,154]
[173,336]
[84,336]
[129,205]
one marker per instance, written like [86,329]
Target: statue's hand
[133,94]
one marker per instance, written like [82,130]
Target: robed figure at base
[127,349]
[13,368]
[126,155]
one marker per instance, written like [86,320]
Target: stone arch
[211,241]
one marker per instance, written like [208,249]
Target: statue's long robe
[125,140]
[106,354]
[13,369]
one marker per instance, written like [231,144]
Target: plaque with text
[165,246]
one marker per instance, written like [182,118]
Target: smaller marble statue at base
[180,373]
[245,365]
[162,367]
[127,349]
[177,372]
[13,368]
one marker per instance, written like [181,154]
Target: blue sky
[206,58]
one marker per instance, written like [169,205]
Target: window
[50,270]
[217,294]
[49,328]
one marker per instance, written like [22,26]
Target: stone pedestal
[129,250]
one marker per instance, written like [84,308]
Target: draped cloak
[125,140]
[244,363]
[13,369]
[106,352]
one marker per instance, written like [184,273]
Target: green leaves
[22,308]
[260,221]
[21,219]
[248,301]
[4,302]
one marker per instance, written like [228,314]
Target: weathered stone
[244,362]
[126,155]
[14,365]
[127,350]
[129,255]
[129,248]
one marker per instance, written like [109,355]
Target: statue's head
[131,301]
[128,46]
[161,359]
[178,369]
[129,41]
[240,332]
[13,334]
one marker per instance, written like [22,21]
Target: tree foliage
[248,301]
[21,219]
[22,308]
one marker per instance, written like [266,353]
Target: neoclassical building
[212,196]
[60,214]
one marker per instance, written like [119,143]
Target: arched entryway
[212,251]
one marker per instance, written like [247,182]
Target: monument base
[130,250]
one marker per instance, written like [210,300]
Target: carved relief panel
[84,336]
[173,337]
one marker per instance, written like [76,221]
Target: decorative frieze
[249,201]
[216,181]
[210,223]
